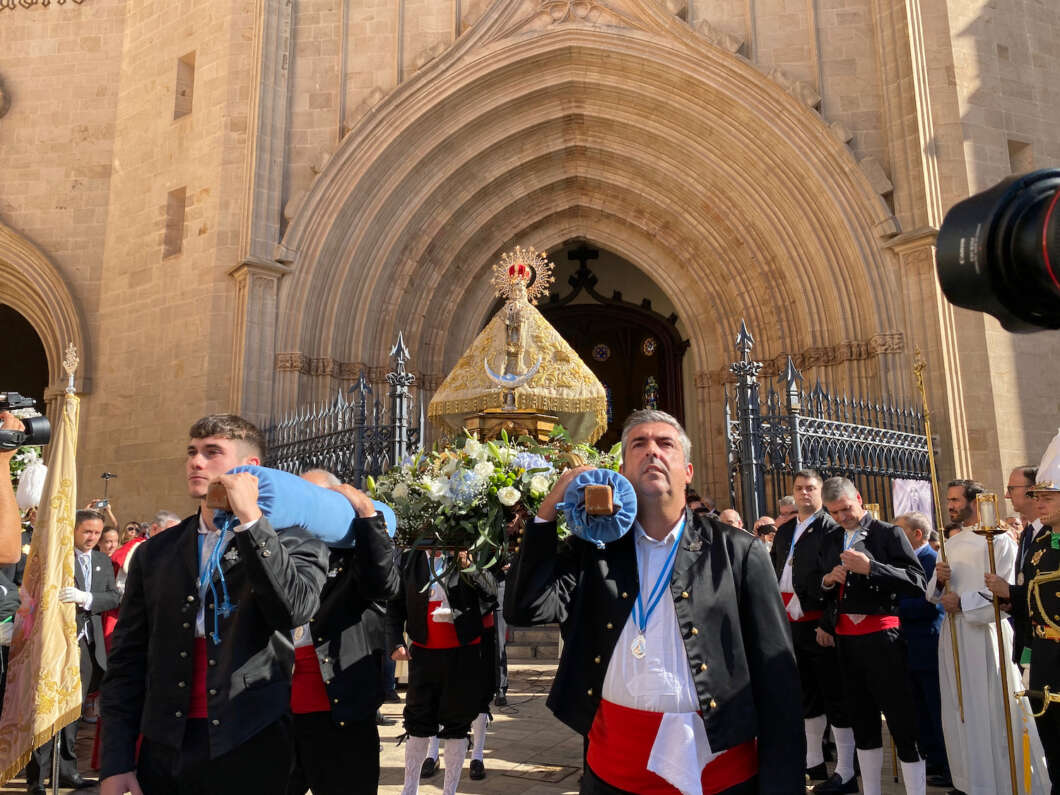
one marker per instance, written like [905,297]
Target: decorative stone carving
[13,4]
[887,342]
[841,133]
[5,99]
[873,169]
[726,41]
[679,8]
[799,89]
[292,363]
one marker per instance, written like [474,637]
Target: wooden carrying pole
[918,370]
[986,505]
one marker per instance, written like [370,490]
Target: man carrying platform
[677,664]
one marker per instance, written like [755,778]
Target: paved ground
[528,752]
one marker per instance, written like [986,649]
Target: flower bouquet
[462,496]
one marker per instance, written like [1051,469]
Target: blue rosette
[599,530]
[289,501]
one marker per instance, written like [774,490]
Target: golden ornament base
[488,424]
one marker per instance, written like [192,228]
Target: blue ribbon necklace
[224,607]
[639,647]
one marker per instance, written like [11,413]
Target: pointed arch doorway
[623,327]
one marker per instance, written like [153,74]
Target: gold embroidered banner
[44,673]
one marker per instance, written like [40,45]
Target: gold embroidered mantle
[563,385]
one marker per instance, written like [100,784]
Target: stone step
[540,652]
[523,637]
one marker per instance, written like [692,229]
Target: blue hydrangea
[531,461]
[465,485]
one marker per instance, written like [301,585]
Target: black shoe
[76,781]
[939,780]
[429,768]
[501,700]
[478,770]
[36,790]
[835,785]
[817,772]
[392,697]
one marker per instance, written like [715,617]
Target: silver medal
[639,647]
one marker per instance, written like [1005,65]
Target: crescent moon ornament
[511,380]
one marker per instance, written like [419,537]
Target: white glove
[7,630]
[73,595]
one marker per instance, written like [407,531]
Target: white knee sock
[914,774]
[455,751]
[814,737]
[415,753]
[871,761]
[844,752]
[478,733]
[432,752]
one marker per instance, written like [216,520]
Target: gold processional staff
[918,370]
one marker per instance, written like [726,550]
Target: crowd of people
[698,656]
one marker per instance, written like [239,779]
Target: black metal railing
[770,439]
[353,435]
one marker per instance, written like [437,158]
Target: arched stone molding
[31,284]
[632,132]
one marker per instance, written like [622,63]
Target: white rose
[509,495]
[538,485]
[401,491]
[483,469]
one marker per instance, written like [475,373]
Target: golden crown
[523,268]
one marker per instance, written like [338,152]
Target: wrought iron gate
[771,438]
[352,436]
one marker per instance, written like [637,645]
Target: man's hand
[836,576]
[951,603]
[824,638]
[463,559]
[360,501]
[547,511]
[242,488]
[9,422]
[78,597]
[400,653]
[857,562]
[120,784]
[942,572]
[997,586]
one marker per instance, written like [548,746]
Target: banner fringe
[43,736]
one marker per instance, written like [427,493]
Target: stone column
[254,340]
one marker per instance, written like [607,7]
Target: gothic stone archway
[611,122]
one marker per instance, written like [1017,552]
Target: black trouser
[490,667]
[331,759]
[876,679]
[1045,670]
[593,785]
[445,688]
[819,675]
[260,765]
[39,766]
[925,684]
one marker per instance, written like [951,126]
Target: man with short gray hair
[870,566]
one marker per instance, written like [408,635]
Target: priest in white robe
[977,748]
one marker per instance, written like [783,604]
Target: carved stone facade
[237,207]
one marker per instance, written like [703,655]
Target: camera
[999,252]
[37,429]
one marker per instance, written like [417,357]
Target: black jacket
[273,579]
[733,625]
[104,597]
[806,572]
[349,629]
[894,572]
[407,613]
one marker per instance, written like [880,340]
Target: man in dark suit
[921,622]
[870,566]
[338,677]
[93,593]
[1020,481]
[796,560]
[202,655]
[695,687]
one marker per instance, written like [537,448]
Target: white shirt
[84,560]
[661,681]
[786,585]
[208,544]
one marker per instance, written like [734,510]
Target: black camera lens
[38,430]
[999,252]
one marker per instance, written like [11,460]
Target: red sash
[844,626]
[487,620]
[620,743]
[441,634]
[809,615]
[308,693]
[197,707]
